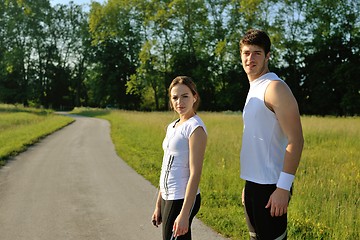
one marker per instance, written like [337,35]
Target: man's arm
[280,100]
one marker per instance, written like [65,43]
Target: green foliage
[115,30]
[325,204]
[44,50]
[125,53]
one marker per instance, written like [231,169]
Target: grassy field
[21,127]
[327,187]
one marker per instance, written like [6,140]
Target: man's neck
[254,77]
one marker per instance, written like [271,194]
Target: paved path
[73,186]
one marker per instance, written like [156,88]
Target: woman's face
[182,99]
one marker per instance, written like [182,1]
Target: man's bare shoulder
[278,95]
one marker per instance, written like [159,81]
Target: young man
[272,142]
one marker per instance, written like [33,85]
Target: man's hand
[278,202]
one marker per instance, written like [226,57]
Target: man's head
[255,53]
[257,38]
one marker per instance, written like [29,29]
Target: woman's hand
[181,225]
[156,217]
[243,197]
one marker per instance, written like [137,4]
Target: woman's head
[183,93]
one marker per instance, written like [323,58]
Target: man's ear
[267,57]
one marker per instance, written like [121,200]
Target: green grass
[327,191]
[21,127]
[327,186]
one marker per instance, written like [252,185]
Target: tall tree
[334,48]
[17,27]
[116,33]
[154,70]
[189,56]
[125,53]
[291,41]
[2,50]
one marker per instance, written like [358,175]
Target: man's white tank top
[175,170]
[263,143]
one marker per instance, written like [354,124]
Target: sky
[79,2]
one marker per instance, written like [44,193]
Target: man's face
[254,61]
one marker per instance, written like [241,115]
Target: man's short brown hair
[258,38]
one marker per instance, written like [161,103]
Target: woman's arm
[197,145]
[156,217]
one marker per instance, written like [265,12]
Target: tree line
[124,53]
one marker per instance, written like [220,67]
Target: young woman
[184,148]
